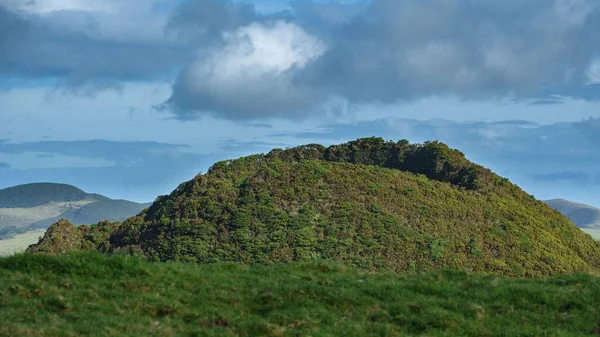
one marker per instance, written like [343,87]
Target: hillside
[369,203]
[584,216]
[95,295]
[36,206]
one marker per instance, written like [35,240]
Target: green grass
[20,242]
[95,295]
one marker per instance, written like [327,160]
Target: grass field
[595,233]
[94,295]
[20,242]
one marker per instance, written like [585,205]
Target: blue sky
[130,98]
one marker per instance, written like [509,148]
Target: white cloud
[257,50]
[593,72]
[46,6]
[255,64]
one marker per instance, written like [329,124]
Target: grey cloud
[199,21]
[67,45]
[383,51]
[119,152]
[575,177]
[393,51]
[4,166]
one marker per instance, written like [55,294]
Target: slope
[369,203]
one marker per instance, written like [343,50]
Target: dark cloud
[68,45]
[260,125]
[4,166]
[575,177]
[237,63]
[128,153]
[546,102]
[206,20]
[392,51]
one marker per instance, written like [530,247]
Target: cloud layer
[238,63]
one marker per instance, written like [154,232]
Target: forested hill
[37,194]
[369,203]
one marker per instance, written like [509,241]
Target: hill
[96,295]
[36,206]
[584,216]
[38,194]
[369,203]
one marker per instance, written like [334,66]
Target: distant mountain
[112,210]
[37,206]
[584,216]
[38,194]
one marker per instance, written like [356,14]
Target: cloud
[593,72]
[85,48]
[575,177]
[390,51]
[4,166]
[250,74]
[230,60]
[121,153]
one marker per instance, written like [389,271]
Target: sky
[131,98]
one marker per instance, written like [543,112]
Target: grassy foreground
[94,295]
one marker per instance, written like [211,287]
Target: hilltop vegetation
[95,295]
[584,216]
[372,204]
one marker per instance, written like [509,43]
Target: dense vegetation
[369,203]
[95,295]
[32,195]
[584,216]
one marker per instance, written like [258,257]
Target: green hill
[37,194]
[369,203]
[95,295]
[584,216]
